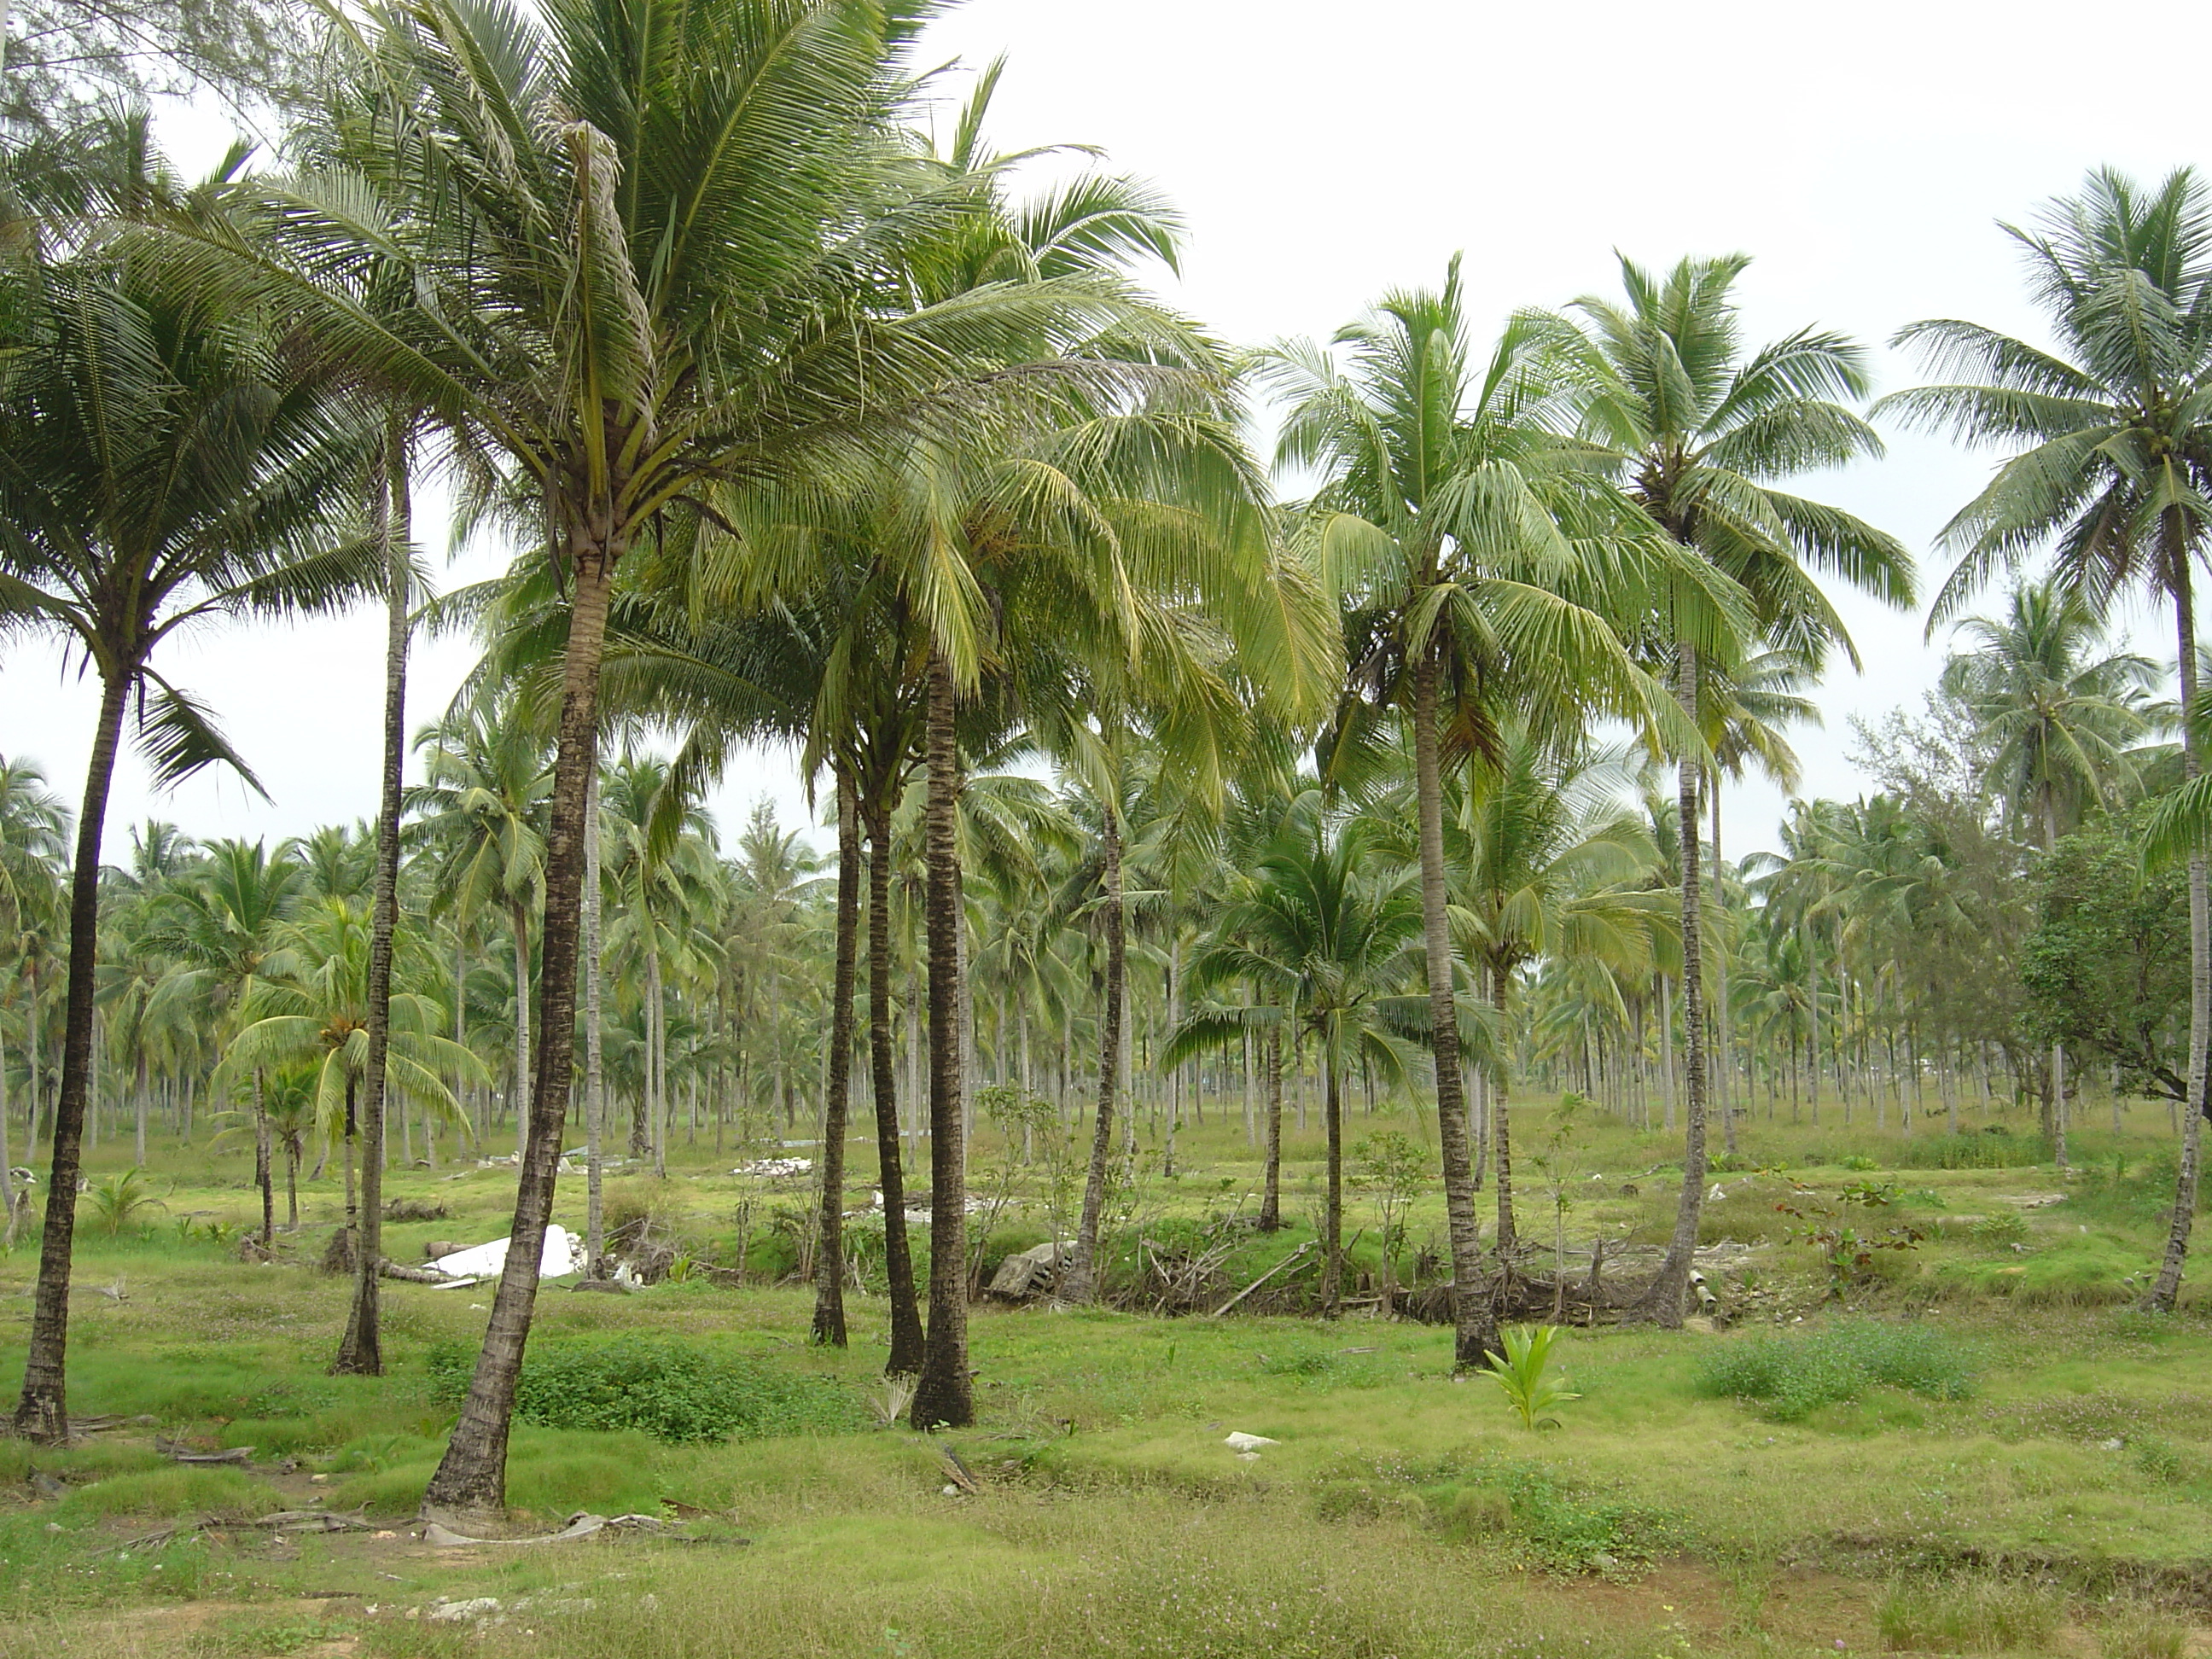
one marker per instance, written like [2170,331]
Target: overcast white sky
[1323,153]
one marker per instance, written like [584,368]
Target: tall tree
[2109,467]
[1698,428]
[162,459]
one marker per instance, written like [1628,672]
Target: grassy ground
[1975,1446]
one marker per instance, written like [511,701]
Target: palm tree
[1544,858]
[34,842]
[1479,562]
[1324,929]
[222,926]
[162,460]
[311,1005]
[2110,466]
[1698,429]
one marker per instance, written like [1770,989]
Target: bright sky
[1324,153]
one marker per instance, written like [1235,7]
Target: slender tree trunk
[361,1353]
[1271,1196]
[292,1186]
[1501,1120]
[2166,1290]
[898,1259]
[656,1053]
[1474,1313]
[1332,1220]
[42,1413]
[518,922]
[472,1476]
[595,1068]
[1723,1084]
[942,1396]
[830,1260]
[1667,1047]
[1083,1267]
[1662,1304]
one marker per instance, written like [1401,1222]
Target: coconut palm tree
[1324,930]
[1699,429]
[163,459]
[1483,565]
[34,827]
[222,926]
[2109,465]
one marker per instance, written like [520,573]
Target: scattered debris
[957,1472]
[177,1452]
[777,1169]
[442,1612]
[414,1209]
[582,1524]
[1240,1442]
[563,1255]
[1029,1272]
[1295,1256]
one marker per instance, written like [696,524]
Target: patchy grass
[1793,1376]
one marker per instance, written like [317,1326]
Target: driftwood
[582,1524]
[388,1268]
[176,1452]
[1293,1256]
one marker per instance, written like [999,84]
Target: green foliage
[2000,1230]
[671,1390]
[2144,1633]
[1793,1376]
[1565,1529]
[2082,1271]
[1993,1148]
[122,1200]
[1980,1615]
[1522,1374]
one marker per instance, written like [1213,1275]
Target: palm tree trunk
[943,1396]
[42,1413]
[292,1185]
[656,1053]
[1271,1197]
[361,1354]
[2166,1290]
[1082,1273]
[595,1069]
[1501,1119]
[1723,1082]
[1473,1312]
[829,1261]
[1662,1302]
[898,1259]
[472,1476]
[1332,1221]
[352,1191]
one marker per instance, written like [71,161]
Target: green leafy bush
[1792,1375]
[1565,1529]
[672,1391]
[1993,1148]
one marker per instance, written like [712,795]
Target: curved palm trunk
[42,1413]
[1474,1311]
[1271,1197]
[361,1354]
[2166,1290]
[942,1396]
[829,1261]
[471,1478]
[898,1259]
[595,1068]
[1081,1281]
[1662,1302]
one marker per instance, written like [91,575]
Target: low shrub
[1993,1148]
[672,1391]
[2001,1230]
[1792,1375]
[174,1489]
[1980,1615]
[2144,1633]
[2083,1272]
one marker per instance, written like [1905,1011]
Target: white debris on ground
[563,1257]
[777,1169]
[1241,1442]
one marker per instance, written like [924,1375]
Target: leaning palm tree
[163,459]
[1483,566]
[2109,438]
[1699,429]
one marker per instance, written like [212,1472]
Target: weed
[2144,1633]
[1975,1615]
[1522,1374]
[1793,1376]
[672,1391]
[2004,1228]
[120,1199]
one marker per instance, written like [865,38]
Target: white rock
[1241,1442]
[459,1613]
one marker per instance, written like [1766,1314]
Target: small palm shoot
[1524,1375]
[120,1201]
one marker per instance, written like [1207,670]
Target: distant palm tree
[2110,465]
[1325,931]
[1699,429]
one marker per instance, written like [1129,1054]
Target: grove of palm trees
[1276,1093]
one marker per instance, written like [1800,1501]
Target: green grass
[1793,1376]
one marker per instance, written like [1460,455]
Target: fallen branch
[1293,1256]
[580,1525]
